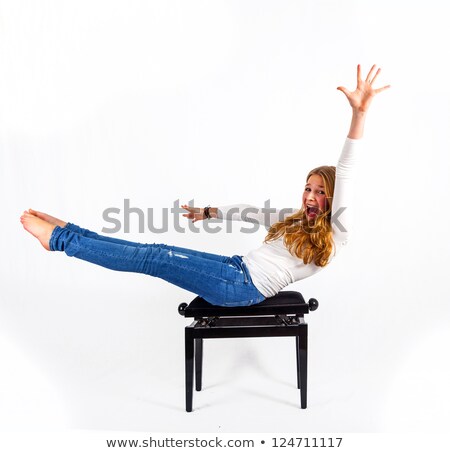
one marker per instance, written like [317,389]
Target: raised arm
[359,100]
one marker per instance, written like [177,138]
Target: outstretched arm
[241,212]
[360,100]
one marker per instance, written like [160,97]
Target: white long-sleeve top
[272,267]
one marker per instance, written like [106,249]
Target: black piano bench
[279,316]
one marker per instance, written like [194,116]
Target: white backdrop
[222,102]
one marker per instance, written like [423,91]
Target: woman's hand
[194,213]
[361,98]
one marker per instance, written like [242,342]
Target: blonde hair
[309,241]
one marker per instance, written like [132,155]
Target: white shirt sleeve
[342,209]
[247,213]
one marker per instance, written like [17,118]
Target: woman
[295,247]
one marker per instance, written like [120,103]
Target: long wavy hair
[311,241]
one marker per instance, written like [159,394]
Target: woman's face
[314,197]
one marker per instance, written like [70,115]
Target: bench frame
[278,316]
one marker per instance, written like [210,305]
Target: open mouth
[312,211]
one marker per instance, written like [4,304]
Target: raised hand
[361,98]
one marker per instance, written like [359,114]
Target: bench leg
[189,363]
[302,364]
[297,355]
[198,363]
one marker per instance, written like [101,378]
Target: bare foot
[39,228]
[48,218]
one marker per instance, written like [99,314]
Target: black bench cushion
[284,303]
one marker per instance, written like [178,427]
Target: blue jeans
[218,279]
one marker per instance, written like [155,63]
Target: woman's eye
[307,189]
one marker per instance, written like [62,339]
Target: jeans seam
[103,253]
[200,272]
